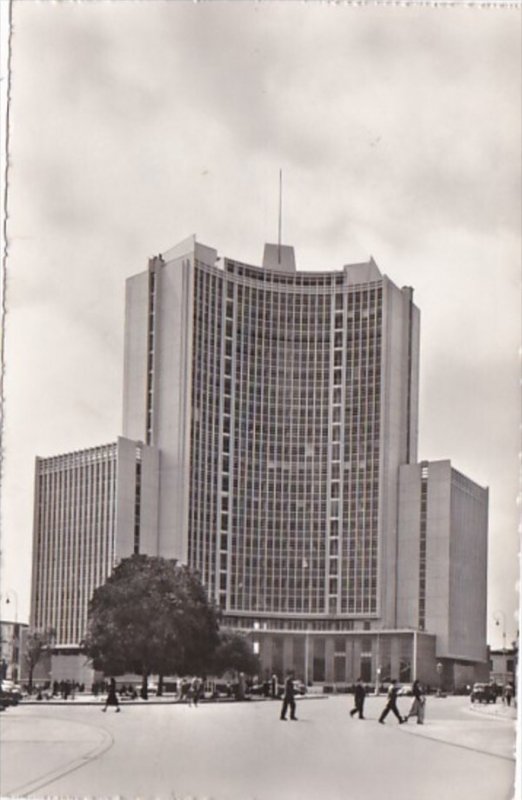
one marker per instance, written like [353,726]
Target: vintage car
[10,693]
[483,693]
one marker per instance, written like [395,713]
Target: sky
[136,124]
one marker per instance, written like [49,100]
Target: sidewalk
[88,699]
[498,710]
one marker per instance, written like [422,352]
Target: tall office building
[282,403]
[279,409]
[92,508]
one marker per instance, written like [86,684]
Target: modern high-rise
[282,403]
[280,410]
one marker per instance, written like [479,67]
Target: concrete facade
[340,659]
[12,642]
[503,666]
[442,564]
[157,380]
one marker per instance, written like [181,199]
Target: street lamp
[8,595]
[13,645]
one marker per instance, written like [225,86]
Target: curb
[156,702]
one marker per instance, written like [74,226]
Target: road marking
[423,735]
[59,772]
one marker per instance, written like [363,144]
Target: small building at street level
[13,636]
[270,421]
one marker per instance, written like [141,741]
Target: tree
[151,615]
[234,652]
[37,643]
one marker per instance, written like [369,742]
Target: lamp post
[378,681]
[498,616]
[12,654]
[378,664]
[306,654]
[440,667]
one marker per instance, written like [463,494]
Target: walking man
[289,698]
[196,690]
[358,695]
[391,705]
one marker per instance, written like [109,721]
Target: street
[241,751]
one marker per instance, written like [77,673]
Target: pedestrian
[418,705]
[196,690]
[289,698]
[391,704]
[112,697]
[274,688]
[190,692]
[359,694]
[508,693]
[184,690]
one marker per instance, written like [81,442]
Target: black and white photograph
[261,410]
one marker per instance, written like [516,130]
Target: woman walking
[418,704]
[112,697]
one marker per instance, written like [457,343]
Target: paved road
[243,752]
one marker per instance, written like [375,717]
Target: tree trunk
[144,691]
[160,685]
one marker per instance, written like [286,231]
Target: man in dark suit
[359,695]
[391,705]
[289,697]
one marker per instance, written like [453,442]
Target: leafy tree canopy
[234,652]
[37,642]
[151,615]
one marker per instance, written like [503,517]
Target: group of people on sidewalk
[189,692]
[417,707]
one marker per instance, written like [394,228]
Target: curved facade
[282,402]
[286,383]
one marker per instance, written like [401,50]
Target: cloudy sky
[135,124]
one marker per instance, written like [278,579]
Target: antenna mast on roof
[280,215]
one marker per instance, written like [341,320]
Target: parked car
[10,693]
[483,693]
[406,690]
[299,688]
[260,689]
